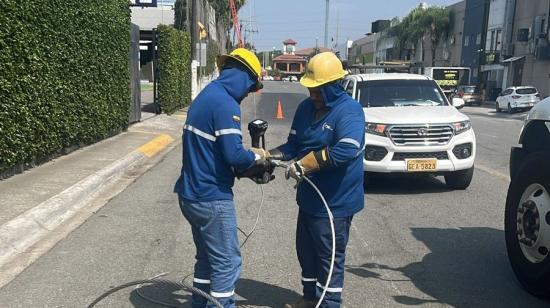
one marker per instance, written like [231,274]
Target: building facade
[528,46]
[493,69]
[363,50]
[289,63]
[475,32]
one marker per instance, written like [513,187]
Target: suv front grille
[421,135]
[400,156]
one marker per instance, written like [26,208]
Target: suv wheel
[459,180]
[527,224]
[498,107]
[510,109]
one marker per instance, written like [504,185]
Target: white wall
[151,17]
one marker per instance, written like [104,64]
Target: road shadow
[519,116]
[405,184]
[149,107]
[466,267]
[257,293]
[160,295]
[249,292]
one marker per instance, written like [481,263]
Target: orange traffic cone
[279,111]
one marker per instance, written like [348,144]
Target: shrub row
[64,78]
[174,52]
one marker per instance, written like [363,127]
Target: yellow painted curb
[156,145]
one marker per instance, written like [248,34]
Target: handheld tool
[262,173]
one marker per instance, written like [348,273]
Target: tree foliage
[223,15]
[180,14]
[433,23]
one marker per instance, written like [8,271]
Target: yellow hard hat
[322,69]
[248,59]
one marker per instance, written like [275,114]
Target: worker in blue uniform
[212,154]
[326,141]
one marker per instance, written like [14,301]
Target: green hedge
[64,78]
[174,84]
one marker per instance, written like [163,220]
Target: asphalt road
[415,244]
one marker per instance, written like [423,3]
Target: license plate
[421,165]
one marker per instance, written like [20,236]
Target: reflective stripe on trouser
[314,248]
[218,259]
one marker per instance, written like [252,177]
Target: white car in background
[268,78]
[411,127]
[517,98]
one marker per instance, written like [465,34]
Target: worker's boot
[302,304]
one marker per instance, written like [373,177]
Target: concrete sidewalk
[36,204]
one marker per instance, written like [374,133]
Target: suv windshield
[397,92]
[526,91]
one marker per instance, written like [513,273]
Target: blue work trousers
[218,258]
[314,248]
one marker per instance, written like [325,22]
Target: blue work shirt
[342,130]
[212,139]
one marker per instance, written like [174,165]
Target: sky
[304,20]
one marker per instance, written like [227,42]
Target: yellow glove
[261,155]
[312,162]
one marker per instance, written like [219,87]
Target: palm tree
[435,24]
[432,22]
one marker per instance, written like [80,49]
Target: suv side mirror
[458,102]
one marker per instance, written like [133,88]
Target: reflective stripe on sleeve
[199,132]
[309,279]
[203,281]
[222,294]
[332,290]
[350,141]
[228,131]
[361,151]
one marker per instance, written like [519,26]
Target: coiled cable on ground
[173,284]
[183,285]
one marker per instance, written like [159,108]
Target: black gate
[135,75]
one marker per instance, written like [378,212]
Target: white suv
[515,98]
[411,127]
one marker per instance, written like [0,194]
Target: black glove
[259,173]
[276,154]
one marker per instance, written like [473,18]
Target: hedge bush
[64,78]
[174,84]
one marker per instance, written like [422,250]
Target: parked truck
[527,214]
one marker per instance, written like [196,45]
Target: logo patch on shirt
[327,127]
[236,118]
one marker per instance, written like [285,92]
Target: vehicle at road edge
[470,94]
[527,214]
[411,127]
[517,98]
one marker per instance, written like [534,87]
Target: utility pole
[337,28]
[326,24]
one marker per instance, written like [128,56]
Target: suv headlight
[460,127]
[376,129]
